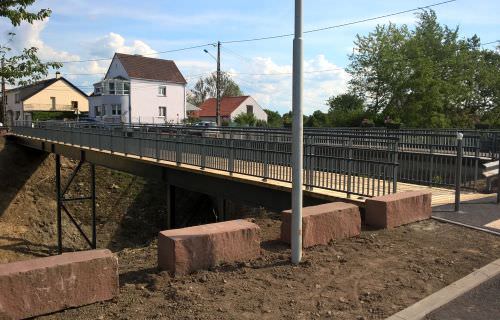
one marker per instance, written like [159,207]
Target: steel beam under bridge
[256,194]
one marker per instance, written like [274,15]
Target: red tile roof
[227,106]
[150,68]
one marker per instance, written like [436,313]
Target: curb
[425,306]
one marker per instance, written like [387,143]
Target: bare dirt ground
[366,277]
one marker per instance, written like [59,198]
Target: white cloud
[262,77]
[271,83]
[30,35]
[112,42]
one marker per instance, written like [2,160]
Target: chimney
[58,75]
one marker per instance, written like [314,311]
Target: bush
[367,123]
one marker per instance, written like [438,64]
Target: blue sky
[89,29]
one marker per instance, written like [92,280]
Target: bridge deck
[441,196]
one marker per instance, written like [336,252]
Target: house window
[53,102]
[126,87]
[103,110]
[17,99]
[96,111]
[74,105]
[162,111]
[18,115]
[249,109]
[162,91]
[116,109]
[111,88]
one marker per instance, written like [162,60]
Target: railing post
[231,153]
[203,161]
[458,175]
[309,162]
[124,137]
[157,142]
[476,160]
[266,156]
[431,161]
[395,168]
[140,142]
[111,140]
[178,153]
[349,167]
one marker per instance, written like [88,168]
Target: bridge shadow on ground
[147,215]
[17,165]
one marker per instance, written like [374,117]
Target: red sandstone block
[40,286]
[323,223]
[182,251]
[397,209]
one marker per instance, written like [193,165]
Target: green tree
[246,119]
[346,110]
[207,88]
[426,77]
[274,119]
[25,67]
[317,119]
[17,11]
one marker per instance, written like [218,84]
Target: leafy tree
[273,119]
[25,67]
[346,110]
[246,119]
[16,11]
[426,77]
[317,119]
[207,88]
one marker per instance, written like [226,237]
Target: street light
[208,52]
[217,111]
[297,137]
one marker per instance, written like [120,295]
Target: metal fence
[481,143]
[366,162]
[357,165]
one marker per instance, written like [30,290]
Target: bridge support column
[221,208]
[171,223]
[61,199]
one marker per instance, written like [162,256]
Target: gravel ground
[366,277]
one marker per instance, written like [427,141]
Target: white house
[230,108]
[139,89]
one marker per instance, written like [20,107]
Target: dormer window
[162,91]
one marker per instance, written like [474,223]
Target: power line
[491,42]
[284,73]
[343,24]
[146,54]
[276,36]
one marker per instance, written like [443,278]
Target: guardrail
[357,165]
[425,157]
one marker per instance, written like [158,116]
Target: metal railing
[486,142]
[357,165]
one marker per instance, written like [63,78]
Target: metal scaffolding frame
[61,199]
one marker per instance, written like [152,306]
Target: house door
[53,102]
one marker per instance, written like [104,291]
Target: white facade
[146,101]
[257,110]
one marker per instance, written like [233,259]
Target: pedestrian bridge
[254,165]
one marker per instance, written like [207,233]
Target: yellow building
[51,95]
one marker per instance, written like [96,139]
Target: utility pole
[297,137]
[217,112]
[4,100]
